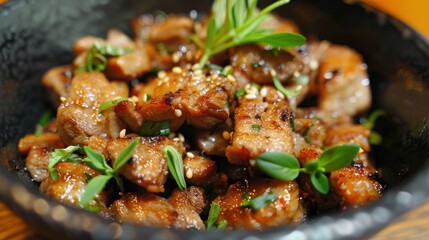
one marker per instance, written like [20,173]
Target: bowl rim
[394,202]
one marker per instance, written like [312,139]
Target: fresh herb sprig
[44,119]
[96,58]
[211,223]
[375,138]
[260,201]
[97,161]
[175,166]
[109,104]
[237,22]
[152,128]
[286,91]
[286,167]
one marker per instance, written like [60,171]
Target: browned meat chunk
[259,127]
[125,110]
[57,81]
[148,167]
[312,130]
[98,144]
[343,81]
[285,210]
[212,142]
[44,140]
[200,170]
[349,134]
[202,99]
[71,183]
[354,186]
[255,63]
[78,117]
[146,209]
[188,204]
[37,163]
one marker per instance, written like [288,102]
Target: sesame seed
[296,74]
[280,95]
[177,70]
[273,73]
[181,137]
[252,162]
[361,150]
[198,72]
[188,66]
[215,75]
[226,135]
[159,83]
[122,133]
[63,99]
[264,92]
[145,97]
[250,96]
[189,173]
[196,66]
[176,57]
[190,155]
[135,98]
[162,74]
[178,112]
[230,78]
[313,64]
[176,139]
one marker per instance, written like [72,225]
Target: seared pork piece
[78,117]
[148,167]
[125,111]
[343,81]
[355,186]
[202,99]
[312,130]
[349,134]
[255,63]
[71,184]
[98,144]
[144,208]
[43,140]
[285,210]
[259,127]
[329,119]
[188,204]
[279,24]
[212,141]
[57,82]
[37,163]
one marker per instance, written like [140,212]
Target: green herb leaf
[109,104]
[278,165]
[175,166]
[95,160]
[126,154]
[44,119]
[150,128]
[256,127]
[260,201]
[94,187]
[337,157]
[222,225]
[61,155]
[320,182]
[287,92]
[375,138]
[213,216]
[236,22]
[370,122]
[312,166]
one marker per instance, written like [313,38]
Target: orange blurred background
[412,12]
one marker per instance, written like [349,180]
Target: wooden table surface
[414,225]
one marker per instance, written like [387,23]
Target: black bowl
[36,35]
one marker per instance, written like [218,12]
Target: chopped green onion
[175,166]
[239,92]
[260,201]
[109,104]
[150,128]
[256,127]
[44,119]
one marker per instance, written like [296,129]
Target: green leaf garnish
[93,188]
[211,222]
[287,92]
[96,58]
[175,166]
[95,160]
[61,155]
[283,166]
[151,128]
[236,22]
[256,127]
[44,119]
[260,201]
[126,154]
[375,138]
[286,167]
[109,104]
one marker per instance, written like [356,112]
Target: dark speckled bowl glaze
[38,34]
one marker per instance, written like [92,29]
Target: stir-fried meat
[349,134]
[312,130]
[98,144]
[285,210]
[43,140]
[279,24]
[355,186]
[201,171]
[37,163]
[255,63]
[148,167]
[144,208]
[125,111]
[212,141]
[78,117]
[259,127]
[328,118]
[71,184]
[188,204]
[343,81]
[202,99]
[57,82]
